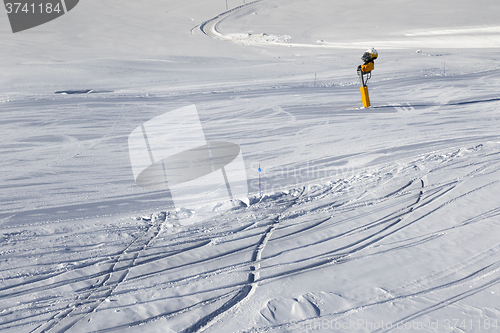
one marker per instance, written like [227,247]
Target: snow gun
[366,69]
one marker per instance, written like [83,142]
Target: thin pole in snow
[226,6]
[315,80]
[260,194]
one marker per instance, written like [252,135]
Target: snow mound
[309,305]
[283,310]
[230,205]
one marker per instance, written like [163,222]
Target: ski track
[108,280]
[253,277]
[63,321]
[422,200]
[283,218]
[428,194]
[209,27]
[446,302]
[477,275]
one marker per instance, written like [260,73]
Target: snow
[371,220]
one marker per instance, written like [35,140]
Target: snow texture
[382,219]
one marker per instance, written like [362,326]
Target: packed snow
[380,219]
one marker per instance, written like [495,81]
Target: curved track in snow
[472,37]
[211,26]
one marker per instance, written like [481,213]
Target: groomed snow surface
[370,220]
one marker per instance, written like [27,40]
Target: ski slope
[370,220]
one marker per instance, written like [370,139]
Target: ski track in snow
[194,279]
[284,223]
[98,293]
[67,273]
[456,38]
[429,194]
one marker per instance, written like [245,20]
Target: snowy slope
[368,217]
